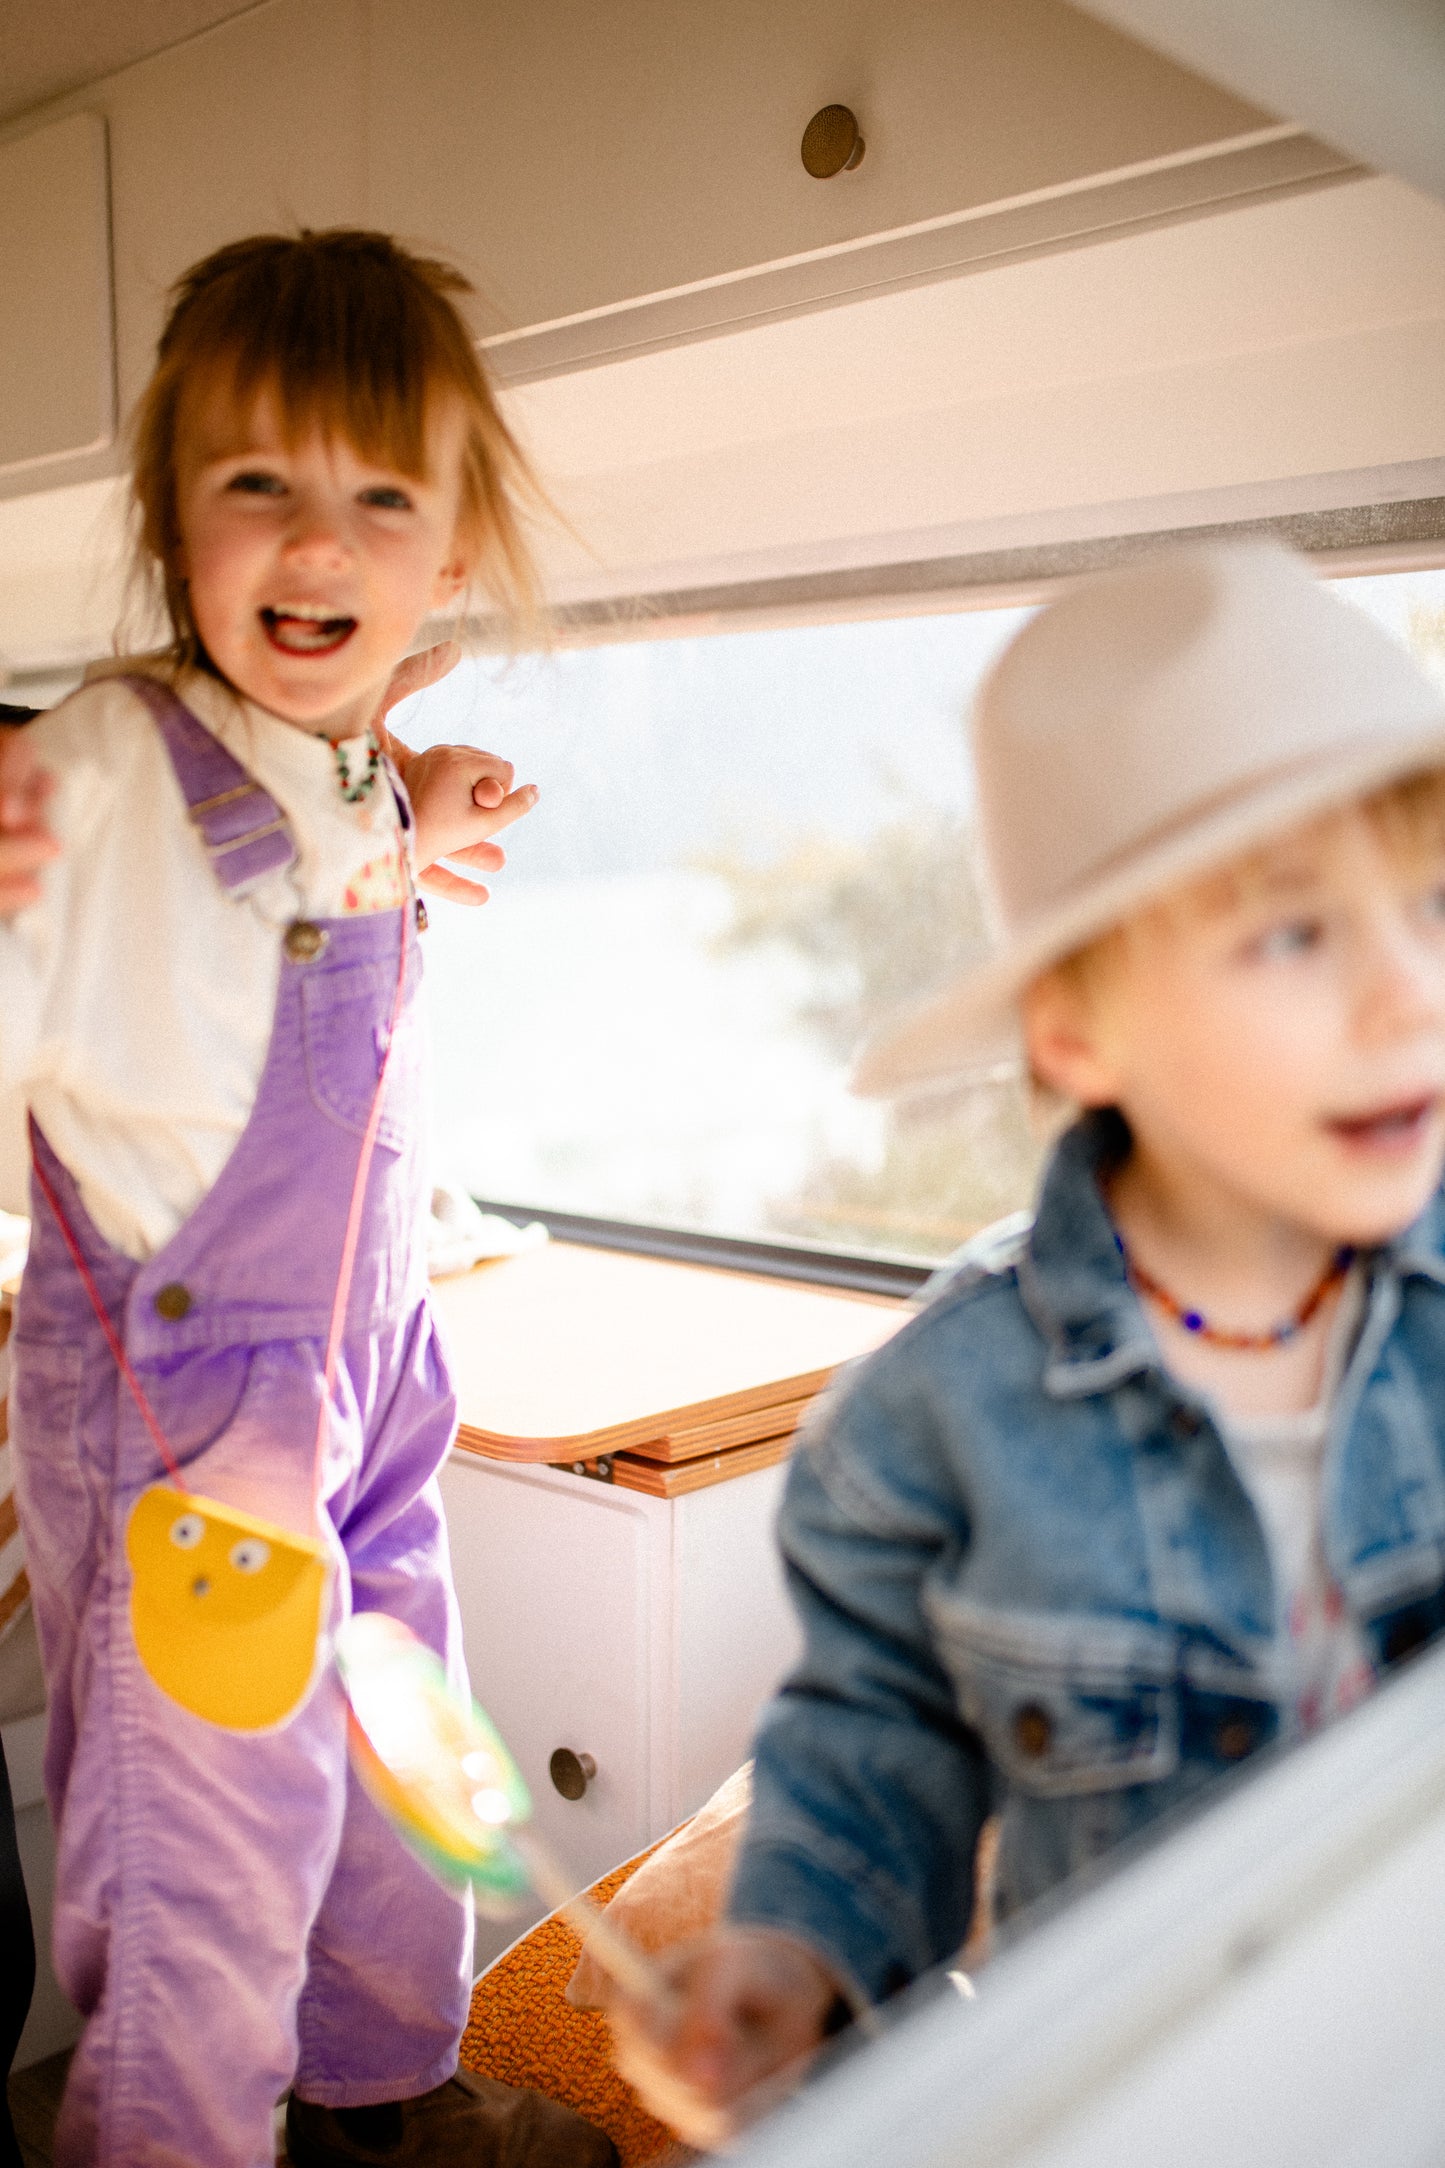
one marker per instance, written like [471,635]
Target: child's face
[308,567]
[1277,1041]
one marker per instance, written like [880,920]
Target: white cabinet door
[646,1632]
[554,1580]
[736,1631]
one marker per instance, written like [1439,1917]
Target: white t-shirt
[1280,1460]
[136,998]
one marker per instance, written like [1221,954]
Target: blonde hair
[355,337]
[1408,816]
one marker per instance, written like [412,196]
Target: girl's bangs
[348,341]
[325,392]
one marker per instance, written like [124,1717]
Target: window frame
[855,1271]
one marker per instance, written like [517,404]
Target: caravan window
[750,846]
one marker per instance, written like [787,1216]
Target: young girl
[1158,1477]
[198,1013]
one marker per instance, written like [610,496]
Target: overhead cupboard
[1073,290]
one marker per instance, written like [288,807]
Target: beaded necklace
[354,792]
[1258,1343]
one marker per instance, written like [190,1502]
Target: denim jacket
[1030,1581]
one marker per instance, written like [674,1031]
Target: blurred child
[218,979]
[1158,1476]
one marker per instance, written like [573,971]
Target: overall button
[302,941]
[1033,1730]
[173,1301]
[422,921]
[1235,1738]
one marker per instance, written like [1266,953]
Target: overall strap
[244,831]
[398,792]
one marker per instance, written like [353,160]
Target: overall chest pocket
[1065,1703]
[345,1012]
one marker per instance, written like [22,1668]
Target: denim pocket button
[173,1302]
[1234,1739]
[1033,1730]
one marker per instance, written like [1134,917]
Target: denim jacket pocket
[344,1013]
[1066,1703]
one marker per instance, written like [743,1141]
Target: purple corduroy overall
[232,1915]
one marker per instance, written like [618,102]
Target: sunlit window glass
[750,848]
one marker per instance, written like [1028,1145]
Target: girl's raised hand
[26,843]
[461,797]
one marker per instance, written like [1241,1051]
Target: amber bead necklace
[1257,1343]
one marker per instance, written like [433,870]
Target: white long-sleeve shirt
[136,997]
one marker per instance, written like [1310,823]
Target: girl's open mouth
[300,631]
[1398,1128]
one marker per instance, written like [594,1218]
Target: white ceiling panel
[48,47]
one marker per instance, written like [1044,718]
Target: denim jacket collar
[1072,1278]
[1420,1250]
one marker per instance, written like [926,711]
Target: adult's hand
[26,843]
[462,797]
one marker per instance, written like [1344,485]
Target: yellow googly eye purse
[227,1610]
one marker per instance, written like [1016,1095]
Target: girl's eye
[255,482]
[385,498]
[1295,937]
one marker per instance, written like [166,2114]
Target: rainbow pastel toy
[432,1762]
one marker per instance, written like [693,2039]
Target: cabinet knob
[832,143]
[571,1773]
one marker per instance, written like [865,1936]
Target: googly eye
[187,1532]
[250,1554]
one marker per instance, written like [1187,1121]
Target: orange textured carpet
[524,2031]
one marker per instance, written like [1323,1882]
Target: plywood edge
[692,1475]
[648,1430]
[720,1437]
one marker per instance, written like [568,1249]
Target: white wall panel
[57,364]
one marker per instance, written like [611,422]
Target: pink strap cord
[122,1359]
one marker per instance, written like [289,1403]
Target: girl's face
[1277,1043]
[308,567]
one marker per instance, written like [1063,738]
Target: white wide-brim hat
[1146,728]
